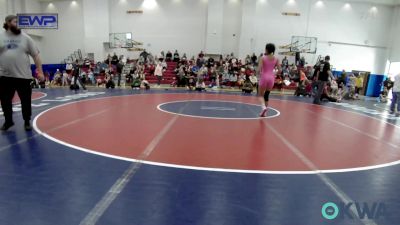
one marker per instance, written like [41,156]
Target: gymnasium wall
[395,42]
[170,25]
[58,44]
[3,9]
[232,20]
[356,38]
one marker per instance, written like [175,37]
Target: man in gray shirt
[15,70]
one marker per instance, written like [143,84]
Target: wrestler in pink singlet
[267,76]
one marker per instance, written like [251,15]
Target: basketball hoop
[303,44]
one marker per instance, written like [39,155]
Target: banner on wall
[37,21]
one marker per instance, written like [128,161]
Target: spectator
[114,59]
[351,84]
[279,82]
[161,57]
[342,81]
[225,77]
[285,63]
[181,76]
[120,67]
[241,77]
[213,76]
[247,86]
[303,77]
[326,95]
[210,62]
[86,62]
[159,73]
[322,78]
[150,59]
[109,81]
[388,83]
[68,67]
[190,81]
[359,85]
[145,55]
[254,80]
[383,96]
[302,88]
[42,83]
[334,89]
[145,84]
[57,78]
[83,76]
[248,60]
[203,72]
[91,77]
[34,83]
[151,68]
[96,69]
[129,76]
[200,62]
[64,79]
[168,57]
[164,65]
[76,79]
[176,56]
[200,85]
[201,55]
[137,81]
[396,96]
[254,59]
[233,79]
[108,59]
[302,62]
[184,58]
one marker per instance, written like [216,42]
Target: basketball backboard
[304,44]
[121,40]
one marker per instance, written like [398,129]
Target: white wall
[232,19]
[173,24]
[358,26]
[395,40]
[3,9]
[363,39]
[32,6]
[96,28]
[58,44]
[215,24]
[329,23]
[247,42]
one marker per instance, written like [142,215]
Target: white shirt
[396,85]
[158,71]
[253,79]
[69,66]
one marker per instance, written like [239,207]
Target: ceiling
[377,2]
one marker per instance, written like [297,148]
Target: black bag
[74,87]
[110,84]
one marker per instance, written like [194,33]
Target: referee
[15,71]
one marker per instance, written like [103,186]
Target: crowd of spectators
[199,73]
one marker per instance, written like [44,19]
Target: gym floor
[178,157]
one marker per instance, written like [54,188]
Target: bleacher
[168,75]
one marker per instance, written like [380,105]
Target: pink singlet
[267,76]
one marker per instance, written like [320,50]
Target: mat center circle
[216,109]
